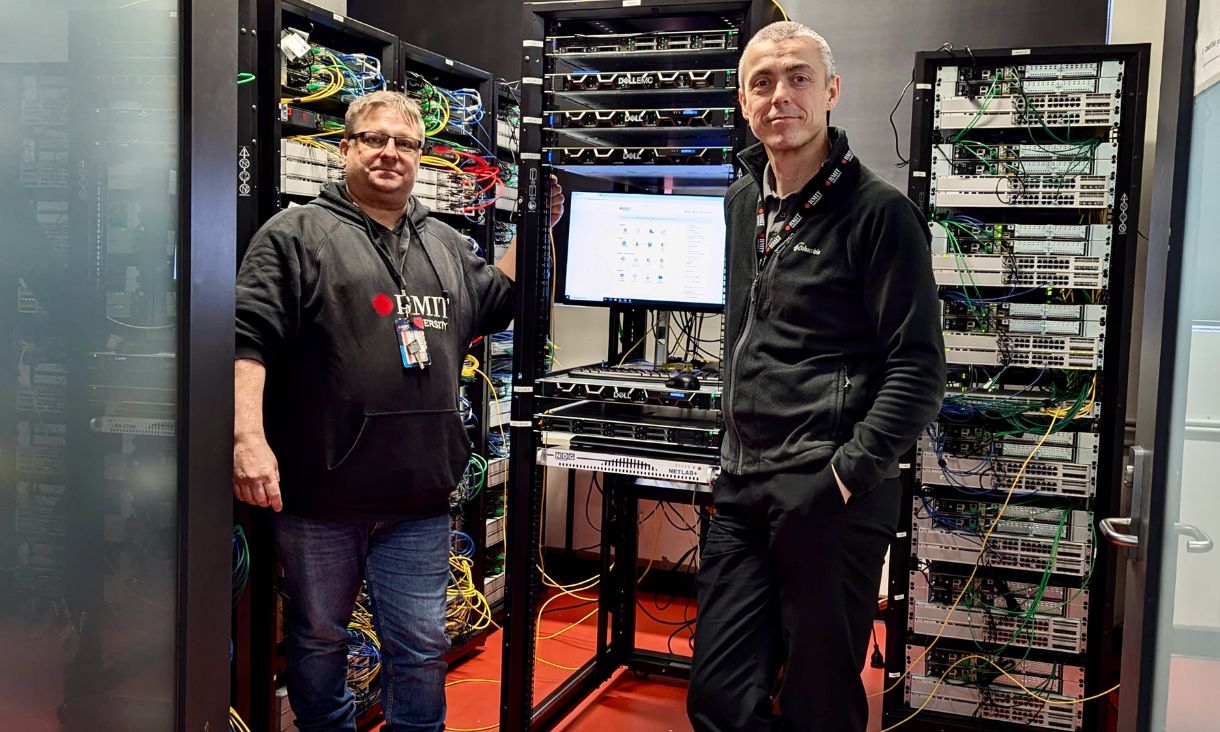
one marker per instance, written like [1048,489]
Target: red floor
[624,703]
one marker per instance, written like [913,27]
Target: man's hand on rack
[556,201]
[508,262]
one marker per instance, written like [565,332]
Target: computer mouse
[684,381]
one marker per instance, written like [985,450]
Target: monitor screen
[645,249]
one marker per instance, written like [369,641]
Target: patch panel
[305,169]
[493,587]
[494,531]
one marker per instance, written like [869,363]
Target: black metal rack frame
[1100,660]
[535,263]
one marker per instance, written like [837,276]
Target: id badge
[412,344]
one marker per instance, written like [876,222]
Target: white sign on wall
[1207,47]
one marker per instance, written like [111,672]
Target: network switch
[969,236]
[953,269]
[1066,467]
[1004,191]
[1094,77]
[976,158]
[1040,351]
[1010,552]
[976,518]
[1012,317]
[975,689]
[1054,110]
[997,611]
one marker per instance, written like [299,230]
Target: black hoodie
[357,435]
[833,346]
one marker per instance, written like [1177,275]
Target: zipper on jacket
[766,274]
[729,379]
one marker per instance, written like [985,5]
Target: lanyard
[783,236]
[397,271]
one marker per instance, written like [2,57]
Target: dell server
[636,155]
[644,80]
[671,41]
[635,423]
[635,118]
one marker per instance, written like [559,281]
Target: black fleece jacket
[833,348]
[357,435]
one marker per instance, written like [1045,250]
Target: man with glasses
[354,314]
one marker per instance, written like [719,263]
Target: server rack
[604,93]
[1027,162]
[275,107]
[263,124]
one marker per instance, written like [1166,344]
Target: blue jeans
[406,566]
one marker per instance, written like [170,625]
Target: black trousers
[788,588]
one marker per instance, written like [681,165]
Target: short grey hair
[396,101]
[786,30]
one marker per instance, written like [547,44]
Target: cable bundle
[236,724]
[467,609]
[483,173]
[345,76]
[465,107]
[363,657]
[466,410]
[473,479]
[241,562]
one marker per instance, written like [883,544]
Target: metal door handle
[1116,532]
[1200,542]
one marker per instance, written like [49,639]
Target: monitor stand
[660,353]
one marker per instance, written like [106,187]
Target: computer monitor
[651,250]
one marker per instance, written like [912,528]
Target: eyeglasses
[378,141]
